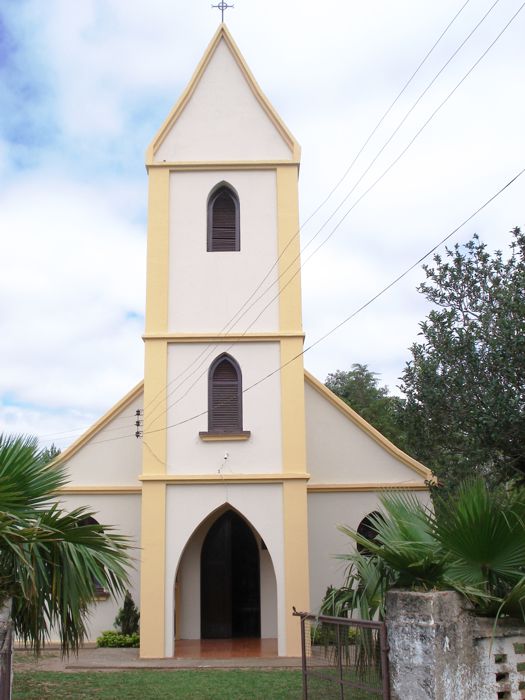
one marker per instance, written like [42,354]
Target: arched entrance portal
[230,580]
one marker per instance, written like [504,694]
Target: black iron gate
[343,658]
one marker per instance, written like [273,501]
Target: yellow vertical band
[290,317]
[155,417]
[152,568]
[297,588]
[158,248]
[292,406]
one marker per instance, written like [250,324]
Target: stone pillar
[431,648]
[6,650]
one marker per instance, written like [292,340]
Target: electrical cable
[225,329]
[360,308]
[359,199]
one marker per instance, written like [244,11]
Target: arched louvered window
[223,219]
[224,396]
[99,592]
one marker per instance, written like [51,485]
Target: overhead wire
[79,431]
[360,198]
[351,208]
[351,316]
[227,327]
[361,308]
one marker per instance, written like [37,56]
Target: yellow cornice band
[277,477]
[101,490]
[223,165]
[242,478]
[346,488]
[224,337]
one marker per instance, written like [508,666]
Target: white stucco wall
[113,457]
[207,289]
[223,120]
[340,452]
[122,511]
[325,512]
[262,452]
[187,507]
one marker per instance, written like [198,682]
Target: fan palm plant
[473,543]
[49,558]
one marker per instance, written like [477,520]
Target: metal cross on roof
[223,6]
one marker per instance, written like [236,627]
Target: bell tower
[224,422]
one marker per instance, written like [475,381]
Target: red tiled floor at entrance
[225,648]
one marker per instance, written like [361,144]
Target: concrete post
[431,647]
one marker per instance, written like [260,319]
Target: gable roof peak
[222,35]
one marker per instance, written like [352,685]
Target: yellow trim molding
[157,259]
[293,423]
[224,165]
[277,478]
[153,571]
[101,423]
[206,436]
[289,261]
[155,406]
[101,490]
[361,423]
[296,561]
[344,488]
[222,33]
[224,337]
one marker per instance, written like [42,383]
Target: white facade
[207,291]
[302,462]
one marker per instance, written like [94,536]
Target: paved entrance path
[93,659]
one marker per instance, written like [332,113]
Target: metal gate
[343,658]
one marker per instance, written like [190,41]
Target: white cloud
[90,83]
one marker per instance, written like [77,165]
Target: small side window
[223,219]
[99,592]
[225,396]
[367,529]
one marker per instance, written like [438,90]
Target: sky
[84,87]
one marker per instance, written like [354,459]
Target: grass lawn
[145,684]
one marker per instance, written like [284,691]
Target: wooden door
[230,580]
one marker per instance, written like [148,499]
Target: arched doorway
[230,580]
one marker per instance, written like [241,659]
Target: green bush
[116,640]
[127,620]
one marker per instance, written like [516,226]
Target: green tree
[127,620]
[465,383]
[49,558]
[49,453]
[360,389]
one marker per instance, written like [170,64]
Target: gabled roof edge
[365,426]
[222,33]
[100,423]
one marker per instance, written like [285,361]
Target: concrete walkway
[93,659]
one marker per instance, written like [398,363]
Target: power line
[362,307]
[358,200]
[79,431]
[234,319]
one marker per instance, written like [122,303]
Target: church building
[245,464]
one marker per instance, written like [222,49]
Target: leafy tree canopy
[465,383]
[360,389]
[49,453]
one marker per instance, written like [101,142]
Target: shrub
[116,640]
[127,620]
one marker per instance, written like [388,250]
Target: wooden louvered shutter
[223,222]
[225,399]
